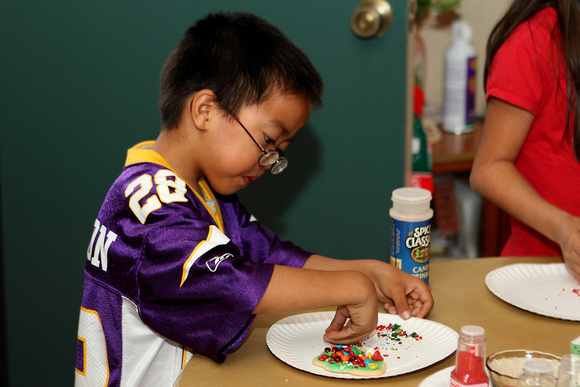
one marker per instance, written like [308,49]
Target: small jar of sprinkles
[411,231]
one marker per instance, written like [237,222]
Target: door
[79,85]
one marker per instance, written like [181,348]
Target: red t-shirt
[528,71]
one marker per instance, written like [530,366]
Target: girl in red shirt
[528,158]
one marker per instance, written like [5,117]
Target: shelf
[455,153]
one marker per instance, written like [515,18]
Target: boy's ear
[203,106]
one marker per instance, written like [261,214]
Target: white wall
[482,15]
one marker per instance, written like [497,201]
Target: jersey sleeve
[196,288]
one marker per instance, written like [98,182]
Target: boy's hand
[357,314]
[401,292]
[363,321]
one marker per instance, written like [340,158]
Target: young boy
[176,265]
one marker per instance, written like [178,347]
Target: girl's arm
[495,176]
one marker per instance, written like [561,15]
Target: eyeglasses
[273,158]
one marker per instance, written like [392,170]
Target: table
[461,298]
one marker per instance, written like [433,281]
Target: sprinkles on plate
[395,337]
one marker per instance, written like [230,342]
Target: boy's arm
[400,292]
[294,290]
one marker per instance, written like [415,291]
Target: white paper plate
[546,289]
[297,340]
[440,378]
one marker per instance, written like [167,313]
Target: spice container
[470,358]
[537,373]
[411,231]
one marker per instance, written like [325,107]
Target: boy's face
[231,161]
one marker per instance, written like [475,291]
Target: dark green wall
[78,86]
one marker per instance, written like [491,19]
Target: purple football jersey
[168,276]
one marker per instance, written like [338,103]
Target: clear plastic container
[569,372]
[537,373]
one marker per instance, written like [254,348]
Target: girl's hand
[569,240]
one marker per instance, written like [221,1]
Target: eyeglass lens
[268,158]
[279,166]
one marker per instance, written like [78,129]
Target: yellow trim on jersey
[84,371]
[187,355]
[187,264]
[139,154]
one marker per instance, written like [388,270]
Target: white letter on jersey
[96,365]
[101,248]
[95,230]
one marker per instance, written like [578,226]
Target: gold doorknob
[371,18]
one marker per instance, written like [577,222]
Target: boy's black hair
[239,56]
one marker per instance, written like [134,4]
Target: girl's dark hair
[239,56]
[569,22]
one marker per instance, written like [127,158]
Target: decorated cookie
[351,359]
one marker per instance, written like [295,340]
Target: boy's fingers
[349,334]
[337,322]
[402,306]
[424,305]
[412,306]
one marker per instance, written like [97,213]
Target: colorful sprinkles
[366,357]
[346,357]
[394,336]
